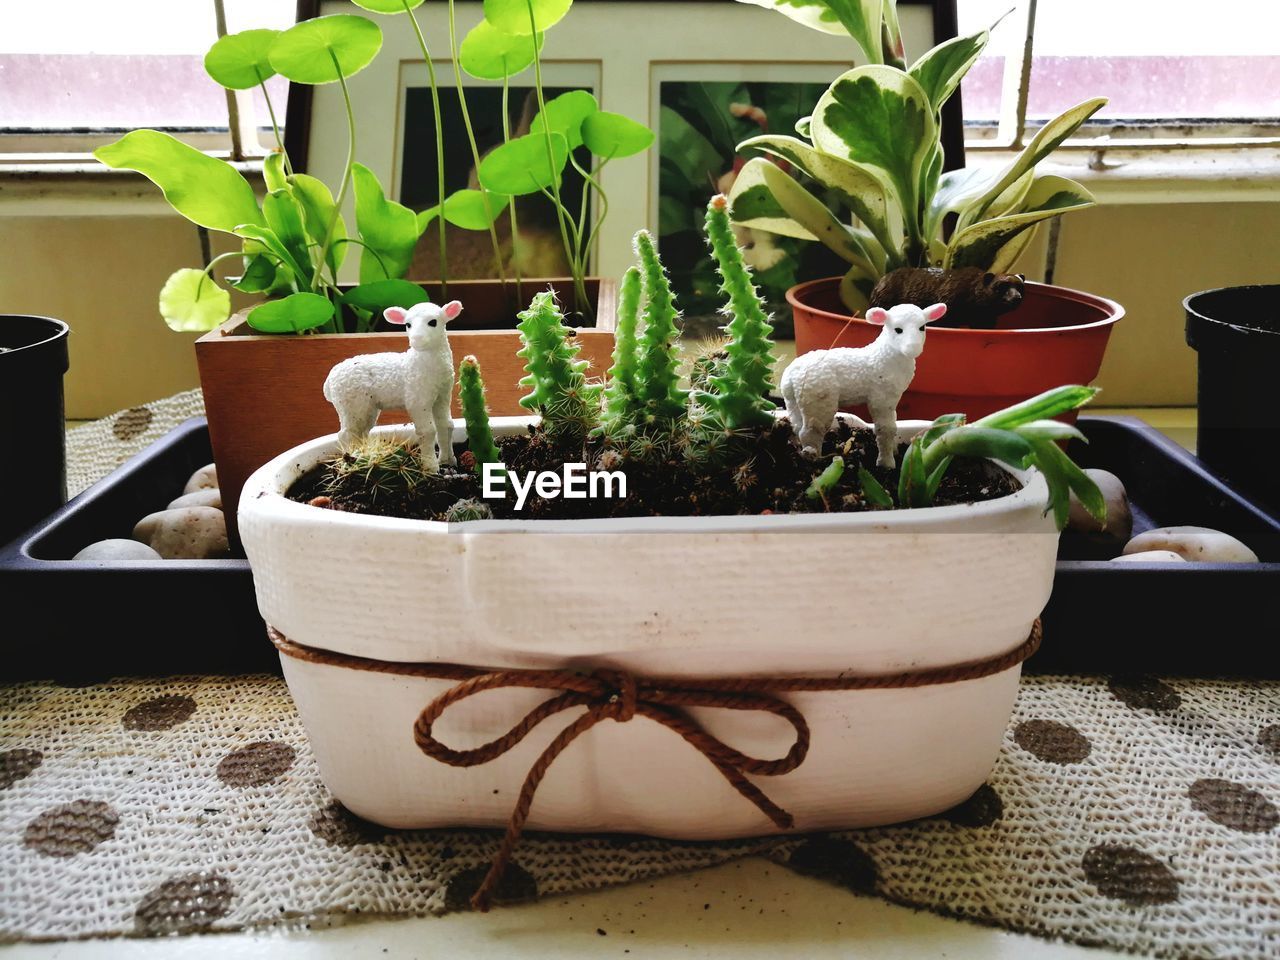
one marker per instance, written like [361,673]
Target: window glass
[1153,59]
[110,65]
[1157,60]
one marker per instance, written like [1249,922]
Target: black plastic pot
[1236,332]
[33,358]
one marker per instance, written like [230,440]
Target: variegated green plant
[874,143]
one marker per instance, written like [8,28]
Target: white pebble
[1151,556]
[188,533]
[1119,518]
[1193,543]
[203,479]
[208,497]
[116,551]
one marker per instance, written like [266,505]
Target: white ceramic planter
[811,595]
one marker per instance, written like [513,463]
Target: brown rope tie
[621,696]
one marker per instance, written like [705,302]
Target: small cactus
[476,414]
[620,400]
[384,466]
[737,387]
[465,510]
[657,376]
[554,376]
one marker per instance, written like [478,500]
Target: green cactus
[383,466]
[657,376]
[476,414]
[554,376]
[620,400]
[737,389]
[465,510]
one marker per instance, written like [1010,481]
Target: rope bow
[609,695]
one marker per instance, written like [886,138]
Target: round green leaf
[241,61]
[294,314]
[387,6]
[377,295]
[306,53]
[512,16]
[467,209]
[191,302]
[565,115]
[259,274]
[613,135]
[489,54]
[520,166]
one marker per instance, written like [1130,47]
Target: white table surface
[746,909]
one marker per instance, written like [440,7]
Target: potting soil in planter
[772,480]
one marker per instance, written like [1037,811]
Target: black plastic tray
[1167,619]
[79,621]
[200,616]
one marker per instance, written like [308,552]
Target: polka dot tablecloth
[1134,813]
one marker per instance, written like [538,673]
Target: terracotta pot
[658,596]
[263,392]
[1056,336]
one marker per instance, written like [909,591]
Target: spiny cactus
[657,378]
[620,400]
[709,360]
[476,414]
[384,466]
[737,389]
[554,376]
[465,510]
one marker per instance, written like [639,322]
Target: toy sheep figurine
[817,384]
[418,381]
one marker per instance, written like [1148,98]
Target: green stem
[511,206]
[346,174]
[208,270]
[435,107]
[471,139]
[585,231]
[562,215]
[594,243]
[275,127]
[381,263]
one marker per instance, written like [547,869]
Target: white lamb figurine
[817,384]
[418,381]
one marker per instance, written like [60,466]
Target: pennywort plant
[874,142]
[505,44]
[292,244]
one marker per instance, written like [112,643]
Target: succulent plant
[476,414]
[384,466]
[620,395]
[465,510]
[554,375]
[662,400]
[874,142]
[736,391]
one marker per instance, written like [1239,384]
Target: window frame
[1170,135]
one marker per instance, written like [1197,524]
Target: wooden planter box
[263,392]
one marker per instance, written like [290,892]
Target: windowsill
[87,188]
[1181,174]
[1173,174]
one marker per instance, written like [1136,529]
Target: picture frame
[613,40]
